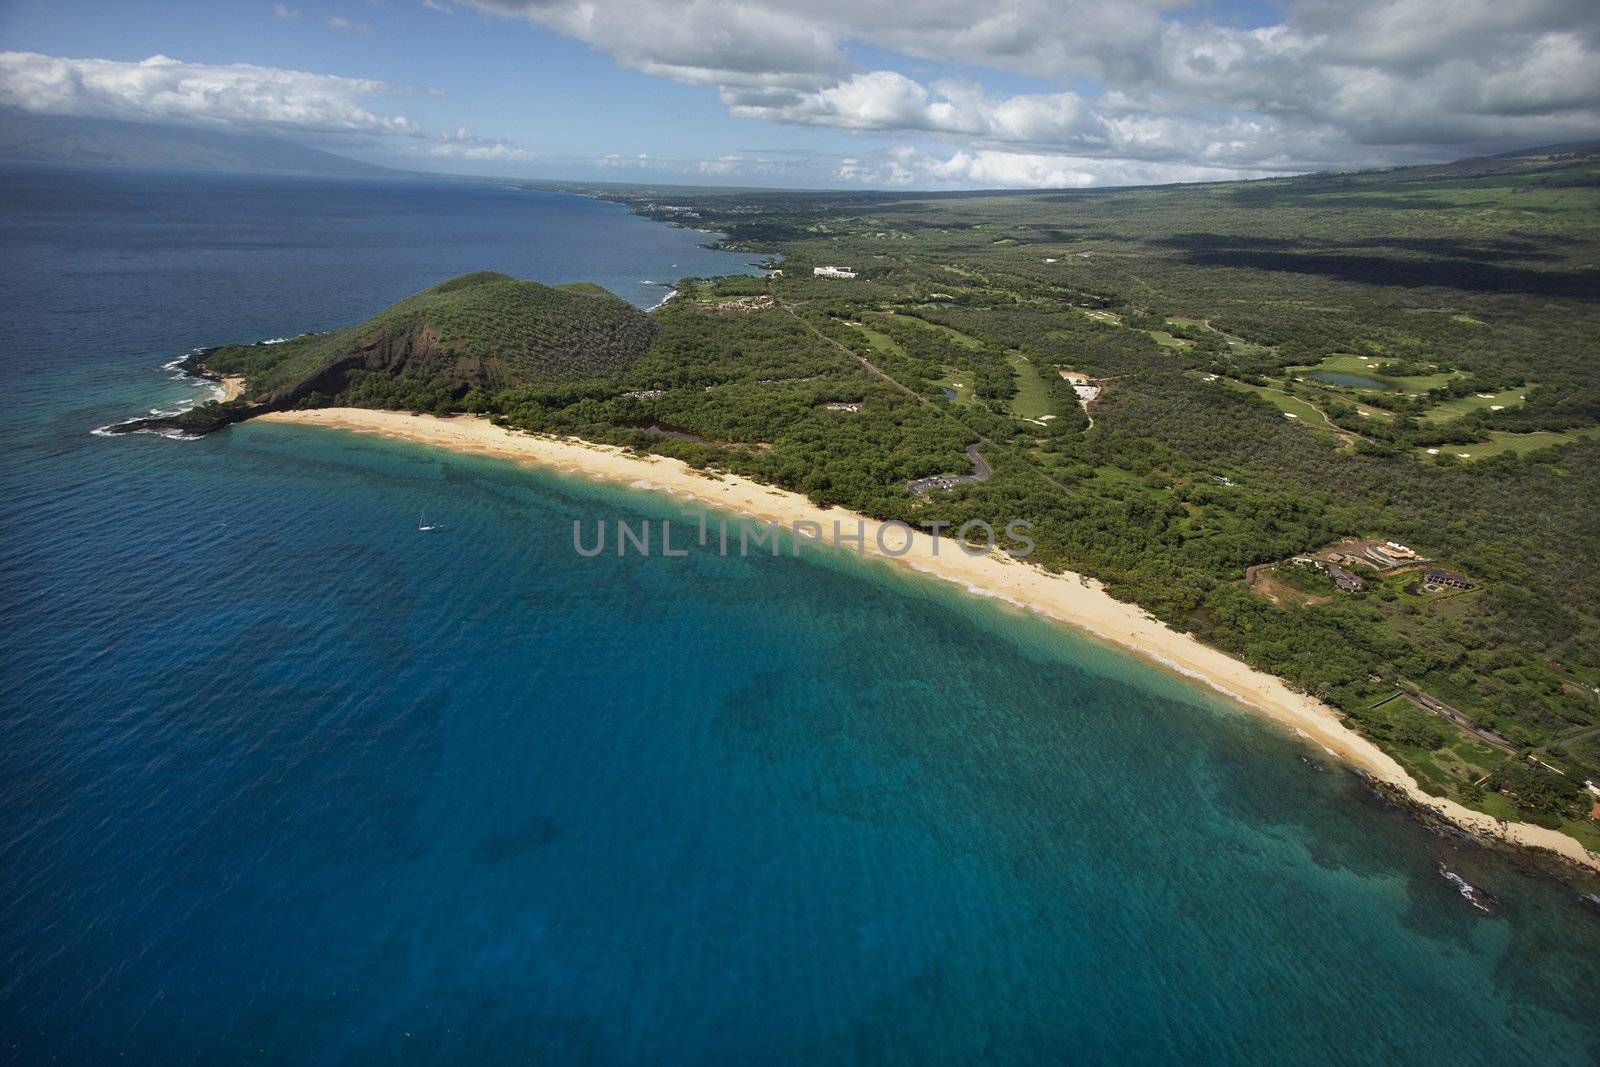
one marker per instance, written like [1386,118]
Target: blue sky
[834,93]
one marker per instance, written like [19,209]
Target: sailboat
[423,525]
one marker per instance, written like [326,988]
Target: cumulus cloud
[239,98]
[905,166]
[497,152]
[235,96]
[1335,82]
[462,143]
[1119,91]
[707,42]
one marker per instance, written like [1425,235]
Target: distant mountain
[65,139]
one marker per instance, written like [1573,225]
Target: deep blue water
[283,779]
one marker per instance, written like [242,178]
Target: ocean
[283,779]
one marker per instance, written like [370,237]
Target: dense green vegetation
[443,349]
[480,331]
[1447,311]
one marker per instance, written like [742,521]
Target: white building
[833,272]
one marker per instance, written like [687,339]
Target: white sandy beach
[1077,601]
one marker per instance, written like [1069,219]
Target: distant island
[38,138]
[1343,428]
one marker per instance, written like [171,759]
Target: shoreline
[1068,598]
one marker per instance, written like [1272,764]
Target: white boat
[423,525]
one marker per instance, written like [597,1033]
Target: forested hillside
[459,341]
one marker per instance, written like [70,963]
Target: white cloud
[338,22]
[1123,90]
[281,11]
[901,166]
[992,168]
[239,98]
[462,143]
[753,46]
[1336,82]
[497,152]
[236,96]
[883,100]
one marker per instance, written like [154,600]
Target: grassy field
[1444,758]
[1454,409]
[1366,366]
[1519,443]
[1292,406]
[1033,395]
[955,335]
[880,342]
[960,384]
[1421,383]
[1166,340]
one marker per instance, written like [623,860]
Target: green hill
[483,332]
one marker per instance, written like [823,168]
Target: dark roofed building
[1344,579]
[1450,578]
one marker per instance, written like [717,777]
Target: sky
[936,94]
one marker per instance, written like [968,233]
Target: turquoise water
[282,778]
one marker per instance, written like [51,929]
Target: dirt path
[1260,579]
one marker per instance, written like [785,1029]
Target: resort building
[1450,578]
[833,272]
[1392,554]
[1344,579]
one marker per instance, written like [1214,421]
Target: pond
[1349,381]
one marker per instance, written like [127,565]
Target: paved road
[1569,739]
[980,473]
